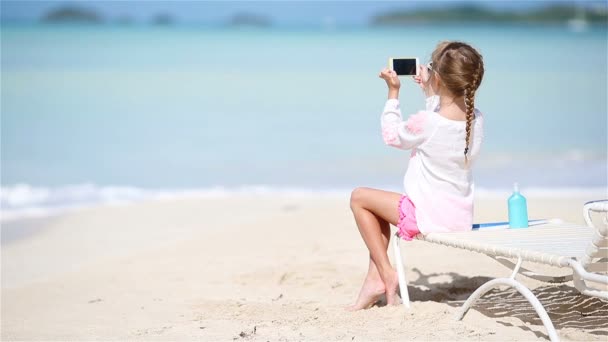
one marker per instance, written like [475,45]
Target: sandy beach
[259,268]
[181,170]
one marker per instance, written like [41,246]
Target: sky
[215,12]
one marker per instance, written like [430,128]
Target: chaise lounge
[581,249]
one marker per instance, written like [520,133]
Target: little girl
[444,140]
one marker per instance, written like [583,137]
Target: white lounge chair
[582,249]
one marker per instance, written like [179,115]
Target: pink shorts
[407,226]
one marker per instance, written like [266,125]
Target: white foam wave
[592,193]
[583,157]
[25,201]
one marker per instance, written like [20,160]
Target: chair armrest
[597,206]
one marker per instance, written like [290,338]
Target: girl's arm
[396,132]
[403,134]
[392,82]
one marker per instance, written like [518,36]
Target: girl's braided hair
[460,68]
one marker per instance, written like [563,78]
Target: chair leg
[405,296]
[581,277]
[531,274]
[540,310]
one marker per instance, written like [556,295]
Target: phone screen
[404,66]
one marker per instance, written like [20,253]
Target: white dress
[437,180]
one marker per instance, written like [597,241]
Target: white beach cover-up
[437,180]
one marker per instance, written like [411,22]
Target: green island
[471,13]
[72,14]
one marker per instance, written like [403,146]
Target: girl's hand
[390,76]
[423,77]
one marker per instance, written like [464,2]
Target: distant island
[72,14]
[575,16]
[75,14]
[163,19]
[471,13]
[249,19]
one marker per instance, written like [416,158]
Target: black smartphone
[404,66]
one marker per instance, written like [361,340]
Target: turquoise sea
[108,113]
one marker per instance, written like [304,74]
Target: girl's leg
[373,210]
[373,286]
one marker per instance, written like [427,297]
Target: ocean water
[92,114]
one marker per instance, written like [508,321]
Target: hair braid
[469,101]
[460,69]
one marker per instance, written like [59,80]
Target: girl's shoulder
[438,118]
[419,122]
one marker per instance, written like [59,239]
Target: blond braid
[460,69]
[469,101]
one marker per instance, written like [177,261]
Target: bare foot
[371,292]
[392,287]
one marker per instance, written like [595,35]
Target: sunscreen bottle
[518,209]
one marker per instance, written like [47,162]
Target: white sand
[260,268]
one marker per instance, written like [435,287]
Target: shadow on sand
[566,307]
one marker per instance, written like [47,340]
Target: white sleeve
[404,134]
